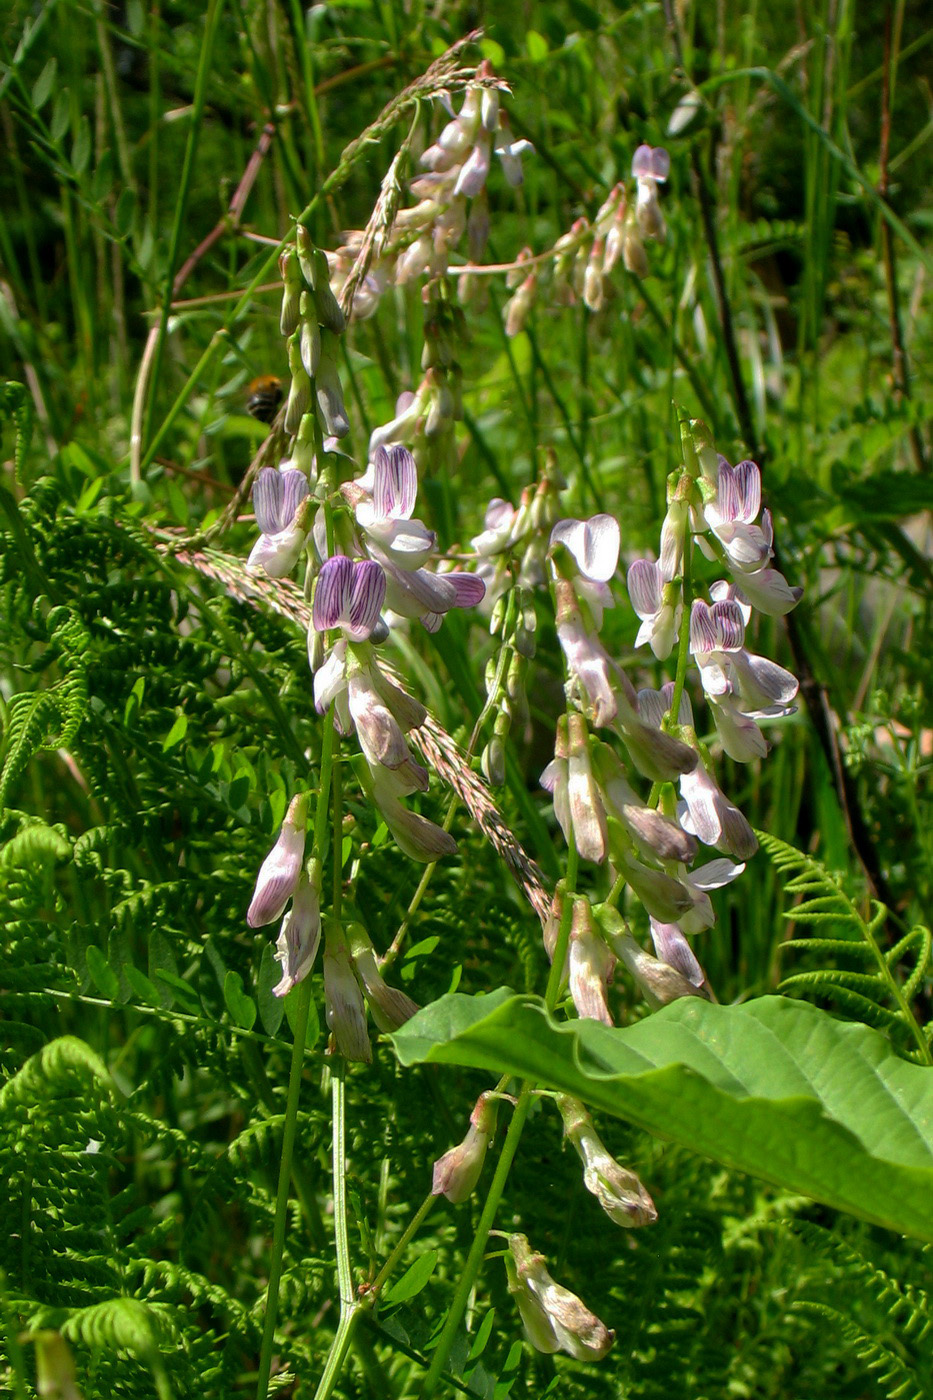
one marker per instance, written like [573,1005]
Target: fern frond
[878,998]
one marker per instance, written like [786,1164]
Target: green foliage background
[155,721]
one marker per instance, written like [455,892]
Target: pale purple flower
[409,408]
[349,594]
[594,544]
[277,499]
[384,514]
[761,687]
[587,659]
[660,616]
[473,172]
[650,167]
[510,152]
[344,1007]
[732,513]
[281,870]
[672,948]
[654,834]
[711,876]
[739,735]
[456,1173]
[709,815]
[419,838]
[418,593]
[499,528]
[590,966]
[577,802]
[297,944]
[765,589]
[659,981]
[390,1007]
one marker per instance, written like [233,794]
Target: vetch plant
[292,801]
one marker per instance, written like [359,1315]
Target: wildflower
[577,802]
[732,512]
[590,965]
[391,1008]
[458,1171]
[297,944]
[383,511]
[658,604]
[654,834]
[709,815]
[555,1319]
[594,548]
[650,167]
[761,687]
[280,871]
[419,838]
[344,1006]
[672,948]
[349,595]
[418,593]
[277,501]
[619,1191]
[659,981]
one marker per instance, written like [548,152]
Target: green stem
[294,1087]
[341,1230]
[281,1200]
[478,1248]
[411,1229]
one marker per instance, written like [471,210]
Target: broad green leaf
[413,1279]
[240,1005]
[773,1087]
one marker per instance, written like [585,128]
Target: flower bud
[309,341]
[573,1327]
[344,1006]
[458,1171]
[329,392]
[297,943]
[391,1008]
[619,1191]
[280,871]
[591,965]
[492,762]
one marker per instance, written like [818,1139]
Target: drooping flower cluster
[650,847]
[365,567]
[420,238]
[584,258]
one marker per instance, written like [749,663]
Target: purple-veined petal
[769,592]
[395,483]
[381,739]
[332,594]
[728,625]
[367,594]
[644,587]
[470,590]
[268,492]
[763,685]
[702,628]
[672,948]
[432,621]
[295,487]
[748,491]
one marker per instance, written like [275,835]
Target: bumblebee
[263,397]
